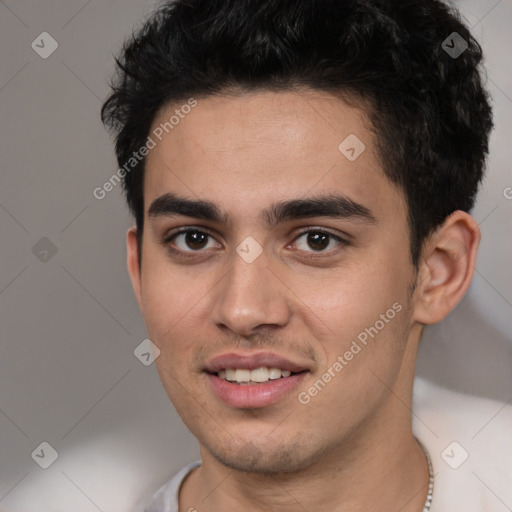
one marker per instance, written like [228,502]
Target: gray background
[70,325]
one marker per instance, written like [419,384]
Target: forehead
[244,152]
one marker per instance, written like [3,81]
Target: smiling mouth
[246,377]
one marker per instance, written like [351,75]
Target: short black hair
[427,105]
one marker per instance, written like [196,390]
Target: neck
[390,478]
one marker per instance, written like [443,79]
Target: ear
[132,255]
[446,268]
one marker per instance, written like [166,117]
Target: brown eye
[192,240]
[196,240]
[318,241]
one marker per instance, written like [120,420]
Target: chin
[267,458]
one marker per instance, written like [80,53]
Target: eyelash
[193,254]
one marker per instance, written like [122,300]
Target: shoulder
[470,443]
[166,498]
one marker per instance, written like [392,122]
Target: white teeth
[258,375]
[242,375]
[274,373]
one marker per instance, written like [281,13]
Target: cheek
[171,302]
[359,303]
[364,346]
[350,299]
[171,299]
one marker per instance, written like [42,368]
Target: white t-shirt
[469,440]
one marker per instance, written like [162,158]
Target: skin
[351,447]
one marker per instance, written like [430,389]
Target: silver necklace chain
[430,492]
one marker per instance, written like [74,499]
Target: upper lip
[252,361]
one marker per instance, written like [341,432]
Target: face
[271,255]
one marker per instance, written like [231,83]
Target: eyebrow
[332,206]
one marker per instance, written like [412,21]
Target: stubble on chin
[280,458]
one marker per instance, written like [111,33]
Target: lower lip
[252,396]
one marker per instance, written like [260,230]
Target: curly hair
[429,110]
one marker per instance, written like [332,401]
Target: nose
[250,297]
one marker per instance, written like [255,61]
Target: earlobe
[446,268]
[132,255]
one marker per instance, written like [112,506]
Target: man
[300,175]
